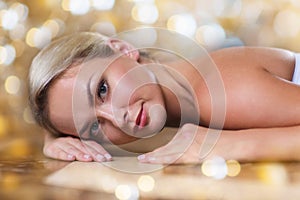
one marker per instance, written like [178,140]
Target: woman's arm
[266,144]
[262,144]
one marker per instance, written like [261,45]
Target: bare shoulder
[279,62]
[257,89]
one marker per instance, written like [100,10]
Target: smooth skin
[262,119]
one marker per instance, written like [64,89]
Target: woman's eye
[102,90]
[94,129]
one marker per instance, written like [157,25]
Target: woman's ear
[123,47]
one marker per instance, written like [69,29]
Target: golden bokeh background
[28,25]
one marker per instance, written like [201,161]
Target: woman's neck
[179,95]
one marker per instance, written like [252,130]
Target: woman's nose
[107,112]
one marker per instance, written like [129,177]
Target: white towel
[296,76]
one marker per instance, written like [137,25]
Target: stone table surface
[36,177]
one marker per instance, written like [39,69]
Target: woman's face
[115,100]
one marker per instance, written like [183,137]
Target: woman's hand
[185,147]
[70,149]
[193,144]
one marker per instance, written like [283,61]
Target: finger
[97,151]
[169,159]
[62,155]
[80,153]
[57,153]
[171,152]
[78,144]
[165,155]
[161,155]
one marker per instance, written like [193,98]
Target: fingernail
[70,157]
[100,157]
[151,159]
[141,157]
[86,156]
[107,156]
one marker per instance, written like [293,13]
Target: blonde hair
[51,63]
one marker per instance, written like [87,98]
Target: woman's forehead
[94,65]
[70,71]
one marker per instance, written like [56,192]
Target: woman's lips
[141,119]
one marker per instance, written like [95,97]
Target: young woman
[87,89]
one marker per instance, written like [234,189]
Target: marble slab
[126,176]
